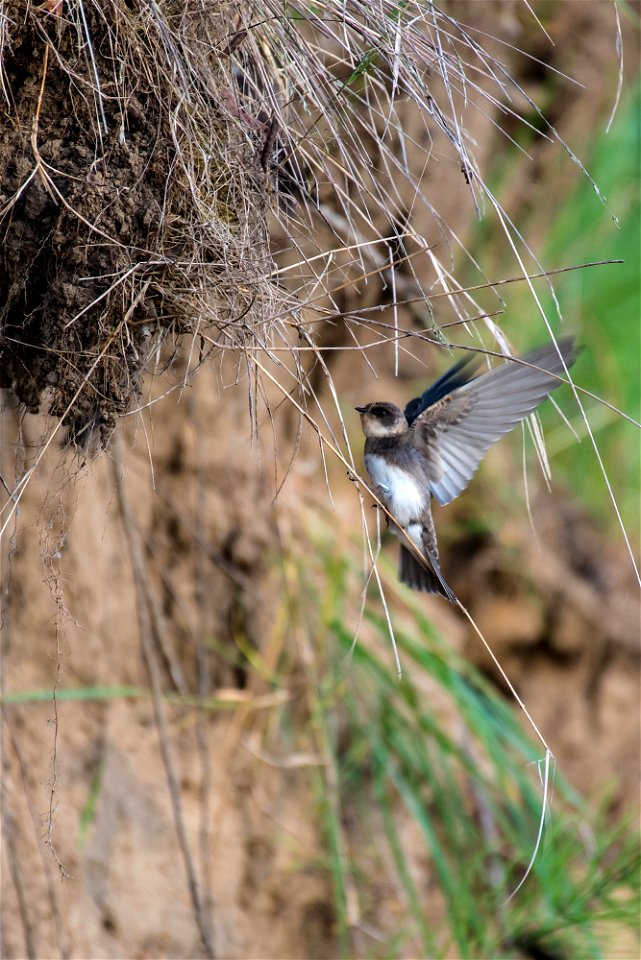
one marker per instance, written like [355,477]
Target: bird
[432,448]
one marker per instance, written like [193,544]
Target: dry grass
[149,150]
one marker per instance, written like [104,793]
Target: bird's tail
[419,576]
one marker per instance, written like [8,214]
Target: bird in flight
[434,446]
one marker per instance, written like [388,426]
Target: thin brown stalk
[203,921]
[14,861]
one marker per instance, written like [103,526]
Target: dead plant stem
[153,670]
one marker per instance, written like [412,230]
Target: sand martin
[433,447]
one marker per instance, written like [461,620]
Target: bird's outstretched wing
[455,377]
[455,432]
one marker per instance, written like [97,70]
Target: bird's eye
[376,410]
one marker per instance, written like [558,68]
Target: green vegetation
[457,791]
[601,305]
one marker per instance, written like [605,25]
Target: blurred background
[207,747]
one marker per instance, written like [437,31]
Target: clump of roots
[133,203]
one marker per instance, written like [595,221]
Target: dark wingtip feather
[566,346]
[461,373]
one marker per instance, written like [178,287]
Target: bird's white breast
[404,495]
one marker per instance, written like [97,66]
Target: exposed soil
[98,218]
[85,197]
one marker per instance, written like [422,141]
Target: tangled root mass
[117,221]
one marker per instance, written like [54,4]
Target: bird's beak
[360,409]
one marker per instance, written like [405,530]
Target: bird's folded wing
[455,433]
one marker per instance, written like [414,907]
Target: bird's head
[382,419]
